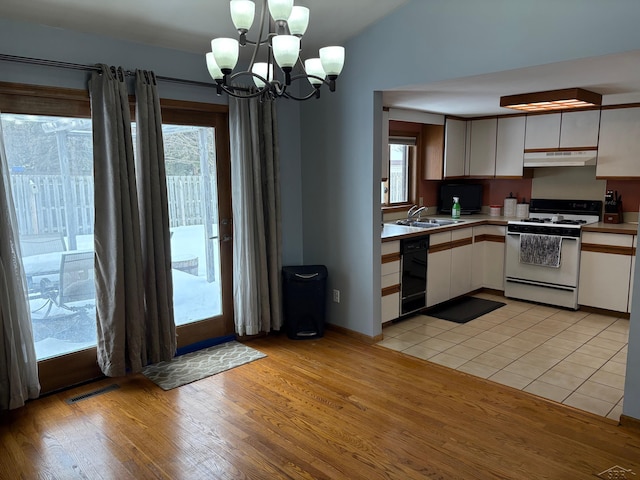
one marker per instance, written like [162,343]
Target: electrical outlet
[336,296]
[421,202]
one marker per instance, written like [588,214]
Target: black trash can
[304,292]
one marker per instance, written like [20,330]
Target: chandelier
[286,26]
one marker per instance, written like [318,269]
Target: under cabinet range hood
[574,158]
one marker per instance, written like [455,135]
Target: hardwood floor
[330,408]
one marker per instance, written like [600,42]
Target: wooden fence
[41,206]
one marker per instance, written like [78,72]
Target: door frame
[81,366]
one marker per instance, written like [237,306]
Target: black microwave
[470,196]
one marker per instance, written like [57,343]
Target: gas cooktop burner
[570,222]
[556,222]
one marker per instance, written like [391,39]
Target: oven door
[565,275]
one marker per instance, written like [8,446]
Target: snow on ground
[62,331]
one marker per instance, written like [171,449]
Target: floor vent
[94,393]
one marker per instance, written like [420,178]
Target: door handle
[227,238]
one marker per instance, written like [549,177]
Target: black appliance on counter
[470,195]
[413,287]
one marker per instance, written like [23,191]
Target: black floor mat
[462,310]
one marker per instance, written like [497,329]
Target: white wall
[425,41]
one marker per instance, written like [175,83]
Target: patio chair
[42,243]
[76,284]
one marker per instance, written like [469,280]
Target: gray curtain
[18,364]
[119,269]
[257,242]
[154,220]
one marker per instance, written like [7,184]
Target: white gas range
[542,254]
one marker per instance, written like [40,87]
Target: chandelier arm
[246,94]
[306,76]
[301,99]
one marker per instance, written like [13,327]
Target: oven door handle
[517,234]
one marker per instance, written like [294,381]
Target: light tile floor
[575,358]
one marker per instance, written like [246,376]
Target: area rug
[201,364]
[465,309]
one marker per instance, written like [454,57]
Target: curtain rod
[92,68]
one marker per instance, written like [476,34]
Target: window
[397,189]
[47,133]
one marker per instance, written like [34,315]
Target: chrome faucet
[415,212]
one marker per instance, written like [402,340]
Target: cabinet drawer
[607,239]
[390,307]
[438,238]
[391,247]
[390,280]
[391,268]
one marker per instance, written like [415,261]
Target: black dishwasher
[414,273]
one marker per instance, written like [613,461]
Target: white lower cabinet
[488,257]
[605,270]
[461,261]
[439,268]
[449,265]
[390,281]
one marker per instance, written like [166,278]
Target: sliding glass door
[49,148]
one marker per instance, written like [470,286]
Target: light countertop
[391,231]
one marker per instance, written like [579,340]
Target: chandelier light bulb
[313,66]
[280,9]
[264,70]
[285,50]
[213,68]
[332,60]
[298,21]
[242,14]
[225,51]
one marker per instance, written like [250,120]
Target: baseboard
[630,422]
[353,334]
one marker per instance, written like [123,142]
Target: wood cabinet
[455,139]
[385,144]
[432,151]
[482,155]
[605,270]
[510,146]
[390,281]
[619,145]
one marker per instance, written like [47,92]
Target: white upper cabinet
[510,146]
[455,135]
[580,129]
[543,131]
[482,159]
[563,130]
[619,143]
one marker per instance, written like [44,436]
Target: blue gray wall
[425,41]
[37,41]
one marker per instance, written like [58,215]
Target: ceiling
[616,77]
[189,25]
